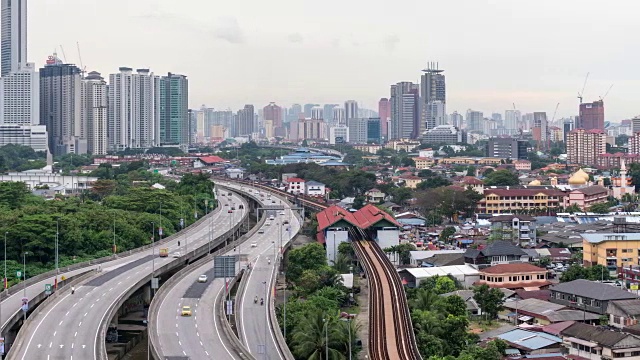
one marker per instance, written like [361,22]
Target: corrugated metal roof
[455,270]
[530,339]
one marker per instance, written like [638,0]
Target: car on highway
[233,208]
[285,222]
[254,244]
[267,224]
[202,278]
[241,206]
[230,211]
[273,201]
[281,212]
[176,254]
[261,231]
[186,311]
[226,204]
[271,217]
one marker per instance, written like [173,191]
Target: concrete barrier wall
[239,348]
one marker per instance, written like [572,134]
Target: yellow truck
[164,252]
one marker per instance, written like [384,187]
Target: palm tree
[425,300]
[310,338]
[342,263]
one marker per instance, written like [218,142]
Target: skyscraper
[294,112]
[350,109]
[307,110]
[20,96]
[456,119]
[512,120]
[94,112]
[592,115]
[134,109]
[60,107]
[338,117]
[317,113]
[474,120]
[327,111]
[584,146]
[273,112]
[384,111]
[174,110]
[14,35]
[539,128]
[246,120]
[405,116]
[433,98]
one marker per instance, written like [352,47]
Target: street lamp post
[24,280]
[57,241]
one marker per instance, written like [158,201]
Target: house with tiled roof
[588,295]
[211,160]
[586,196]
[410,181]
[514,276]
[374,196]
[497,252]
[598,343]
[295,185]
[315,189]
[508,199]
[472,182]
[337,225]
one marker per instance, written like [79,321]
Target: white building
[20,100]
[315,188]
[338,134]
[465,274]
[317,113]
[35,178]
[94,112]
[34,136]
[295,186]
[338,116]
[134,109]
[358,130]
[14,35]
[350,109]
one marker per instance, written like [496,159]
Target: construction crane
[83,69]
[64,57]
[605,94]
[583,87]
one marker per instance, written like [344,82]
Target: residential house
[498,252]
[539,312]
[315,189]
[410,181]
[514,276]
[423,162]
[598,343]
[235,173]
[588,295]
[532,342]
[623,313]
[517,229]
[586,197]
[205,161]
[374,196]
[472,182]
[296,186]
[467,275]
[522,165]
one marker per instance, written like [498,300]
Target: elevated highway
[75,325]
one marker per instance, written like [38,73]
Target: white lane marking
[85,314]
[76,334]
[72,345]
[40,323]
[92,305]
[67,313]
[215,324]
[54,333]
[50,344]
[244,295]
[60,323]
[80,324]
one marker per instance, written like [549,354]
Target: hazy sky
[495,53]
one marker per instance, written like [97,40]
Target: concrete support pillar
[146,294]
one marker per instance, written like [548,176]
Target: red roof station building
[337,225]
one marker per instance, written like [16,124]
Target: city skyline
[323,64]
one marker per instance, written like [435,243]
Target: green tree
[309,257]
[601,208]
[489,299]
[310,339]
[444,285]
[501,178]
[446,234]
[433,182]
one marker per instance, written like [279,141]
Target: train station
[337,225]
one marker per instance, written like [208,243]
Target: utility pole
[57,239]
[115,249]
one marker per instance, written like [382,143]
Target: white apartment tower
[14,35]
[20,97]
[134,109]
[94,112]
[350,110]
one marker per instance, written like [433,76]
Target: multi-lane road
[70,327]
[255,330]
[200,336]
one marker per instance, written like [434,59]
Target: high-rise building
[338,116]
[456,119]
[338,134]
[635,124]
[634,143]
[374,133]
[432,90]
[317,113]
[405,115]
[512,120]
[568,125]
[174,110]
[527,122]
[224,119]
[94,112]
[273,112]
[384,111]
[33,136]
[307,110]
[350,109]
[591,115]
[61,107]
[134,109]
[475,120]
[14,35]
[314,129]
[584,146]
[20,96]
[539,130]
[507,148]
[358,130]
[246,121]
[294,112]
[327,111]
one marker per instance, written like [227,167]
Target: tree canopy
[501,178]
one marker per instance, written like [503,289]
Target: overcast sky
[495,53]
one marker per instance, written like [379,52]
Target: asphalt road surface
[69,328]
[200,335]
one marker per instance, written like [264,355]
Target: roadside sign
[47,289]
[1,345]
[181,223]
[154,283]
[229,307]
[634,286]
[19,274]
[25,304]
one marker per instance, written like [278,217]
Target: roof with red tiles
[371,215]
[295,179]
[332,215]
[511,268]
[555,329]
[470,180]
[213,159]
[534,294]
